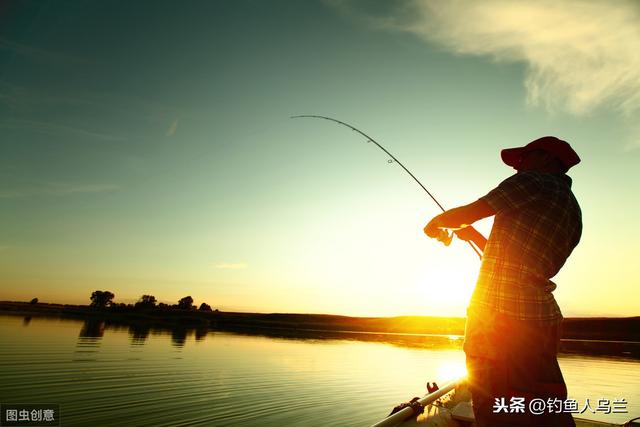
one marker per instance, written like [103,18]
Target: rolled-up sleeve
[514,192]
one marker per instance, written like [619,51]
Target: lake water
[136,377]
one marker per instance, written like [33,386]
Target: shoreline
[410,332]
[597,329]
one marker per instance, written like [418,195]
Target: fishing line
[394,159]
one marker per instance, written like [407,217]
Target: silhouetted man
[513,320]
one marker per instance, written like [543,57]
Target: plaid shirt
[537,224]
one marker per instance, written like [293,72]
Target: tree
[146,301]
[185,303]
[101,299]
[120,307]
[34,301]
[205,307]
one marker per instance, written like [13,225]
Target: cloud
[26,102]
[231,266]
[51,128]
[40,55]
[580,54]
[173,128]
[56,189]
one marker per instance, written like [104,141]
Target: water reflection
[416,341]
[182,375]
[179,336]
[89,340]
[138,333]
[140,330]
[201,333]
[92,329]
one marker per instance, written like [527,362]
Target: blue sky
[148,147]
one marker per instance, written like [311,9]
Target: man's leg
[534,372]
[488,385]
[488,371]
[506,359]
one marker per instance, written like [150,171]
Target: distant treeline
[622,329]
[104,299]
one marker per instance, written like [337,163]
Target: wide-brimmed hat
[559,148]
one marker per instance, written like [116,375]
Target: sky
[147,148]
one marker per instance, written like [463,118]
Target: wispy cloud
[231,266]
[55,189]
[30,106]
[173,128]
[37,54]
[27,98]
[580,54]
[51,128]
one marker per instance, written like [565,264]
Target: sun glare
[451,370]
[446,289]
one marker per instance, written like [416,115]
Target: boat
[450,406]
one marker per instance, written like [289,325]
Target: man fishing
[513,321]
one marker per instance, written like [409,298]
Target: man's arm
[460,218]
[471,234]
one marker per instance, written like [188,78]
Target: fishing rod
[446,240]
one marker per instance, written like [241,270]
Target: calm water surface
[128,376]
